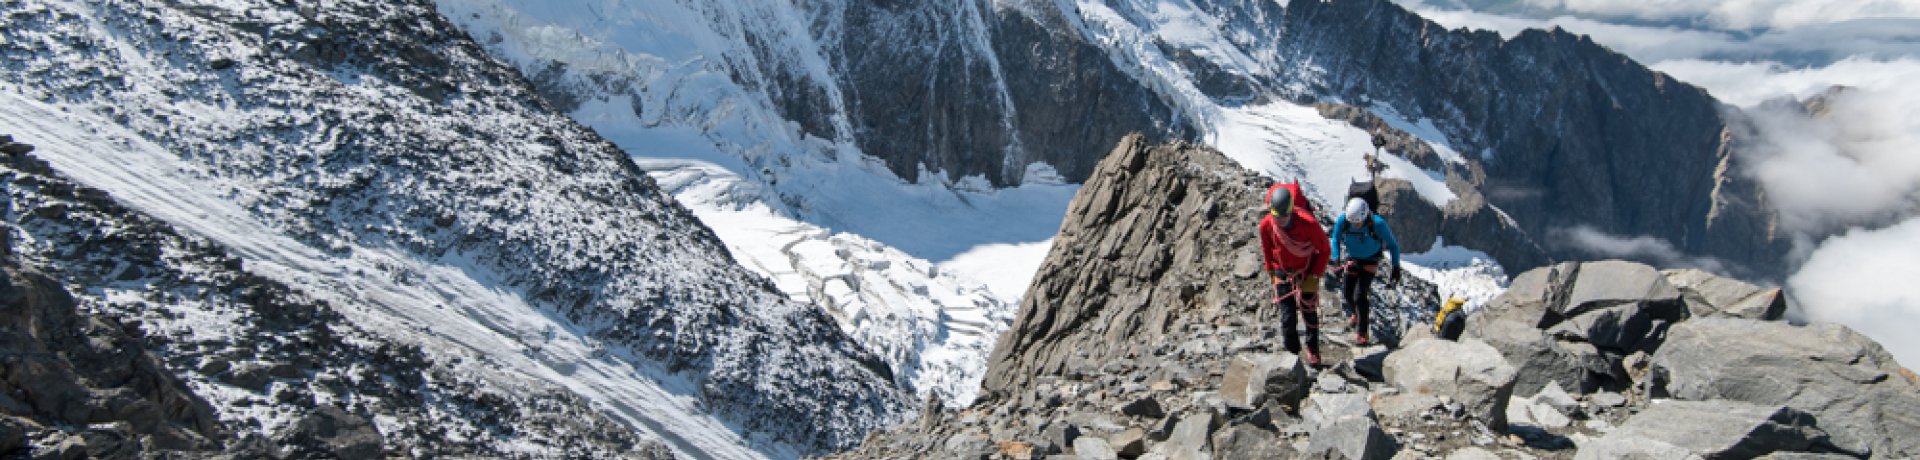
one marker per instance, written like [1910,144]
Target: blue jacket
[1357,244]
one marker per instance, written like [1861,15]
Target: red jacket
[1301,247]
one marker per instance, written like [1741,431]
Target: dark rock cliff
[966,88]
[1569,134]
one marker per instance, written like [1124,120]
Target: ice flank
[370,158]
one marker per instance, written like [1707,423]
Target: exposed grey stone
[1609,399]
[1617,305]
[1061,435]
[1469,371]
[1145,406]
[1324,408]
[1129,443]
[1351,437]
[1803,456]
[334,432]
[1192,438]
[1472,453]
[1717,429]
[1093,448]
[1709,295]
[1853,387]
[1247,441]
[1555,396]
[1253,377]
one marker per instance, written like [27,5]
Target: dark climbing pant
[1309,309]
[1353,291]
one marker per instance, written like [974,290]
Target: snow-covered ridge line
[392,164]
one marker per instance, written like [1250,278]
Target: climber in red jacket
[1295,250]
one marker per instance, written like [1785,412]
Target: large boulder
[1853,388]
[1707,295]
[1469,371]
[1617,305]
[1192,438]
[1248,441]
[1540,360]
[1344,426]
[1254,378]
[1712,430]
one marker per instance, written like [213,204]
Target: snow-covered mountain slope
[756,115]
[370,158]
[932,326]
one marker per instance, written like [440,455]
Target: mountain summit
[1148,334]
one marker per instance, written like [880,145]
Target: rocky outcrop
[1854,390]
[1710,429]
[1157,240]
[156,364]
[69,374]
[348,128]
[1124,343]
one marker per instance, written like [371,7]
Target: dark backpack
[1365,191]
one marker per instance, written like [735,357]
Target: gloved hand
[1310,286]
[1395,277]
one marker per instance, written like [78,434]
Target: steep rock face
[969,88]
[1570,134]
[377,129]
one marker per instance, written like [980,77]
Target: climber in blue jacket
[1362,235]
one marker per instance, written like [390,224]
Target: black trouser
[1308,306]
[1353,291]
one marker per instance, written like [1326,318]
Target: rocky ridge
[1142,338]
[109,286]
[375,129]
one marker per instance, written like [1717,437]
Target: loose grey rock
[1356,438]
[1253,377]
[1714,430]
[1192,438]
[1093,448]
[1469,371]
[1709,295]
[1472,453]
[1851,386]
[334,432]
[1145,406]
[1129,443]
[1608,399]
[1247,441]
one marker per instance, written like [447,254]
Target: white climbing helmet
[1357,211]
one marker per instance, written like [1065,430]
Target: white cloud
[1852,169]
[1852,164]
[1808,46]
[1732,14]
[1864,279]
[1643,248]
